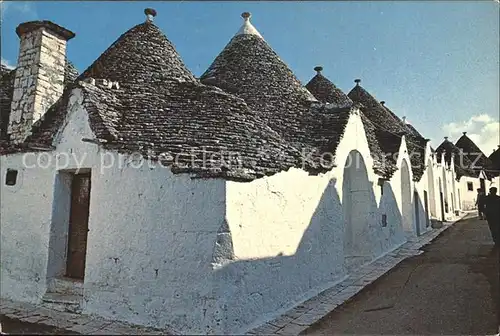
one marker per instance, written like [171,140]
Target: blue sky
[437,63]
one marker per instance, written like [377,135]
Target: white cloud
[483,129]
[7,64]
[22,7]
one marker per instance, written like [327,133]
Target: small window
[470,186]
[384,220]
[11,177]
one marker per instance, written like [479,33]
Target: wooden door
[78,226]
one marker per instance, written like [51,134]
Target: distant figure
[480,203]
[492,212]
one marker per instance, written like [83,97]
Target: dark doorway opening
[417,212]
[426,208]
[442,205]
[78,226]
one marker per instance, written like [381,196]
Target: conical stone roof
[249,68]
[462,163]
[141,55]
[387,123]
[473,153]
[325,91]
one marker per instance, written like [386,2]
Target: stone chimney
[39,80]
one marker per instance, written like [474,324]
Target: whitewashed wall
[289,233]
[201,256]
[151,241]
[468,197]
[426,184]
[27,208]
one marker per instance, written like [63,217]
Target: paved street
[16,327]
[452,288]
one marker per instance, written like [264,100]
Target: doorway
[416,201]
[426,209]
[78,226]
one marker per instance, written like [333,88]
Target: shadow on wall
[251,290]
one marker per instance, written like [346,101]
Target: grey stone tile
[282,321]
[309,318]
[292,329]
[265,329]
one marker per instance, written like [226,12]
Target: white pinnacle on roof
[247,28]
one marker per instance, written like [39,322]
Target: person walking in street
[480,203]
[492,212]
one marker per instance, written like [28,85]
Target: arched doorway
[430,188]
[406,206]
[357,204]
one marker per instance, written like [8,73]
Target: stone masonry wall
[39,80]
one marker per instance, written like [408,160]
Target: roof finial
[247,28]
[446,138]
[150,14]
[357,81]
[318,69]
[382,102]
[404,119]
[464,133]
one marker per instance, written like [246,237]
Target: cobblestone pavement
[298,319]
[450,289]
[23,318]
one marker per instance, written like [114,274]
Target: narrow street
[451,289]
[16,327]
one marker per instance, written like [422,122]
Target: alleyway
[452,288]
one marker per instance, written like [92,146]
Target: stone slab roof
[462,163]
[473,153]
[325,91]
[249,68]
[386,121]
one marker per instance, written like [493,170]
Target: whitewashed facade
[204,256]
